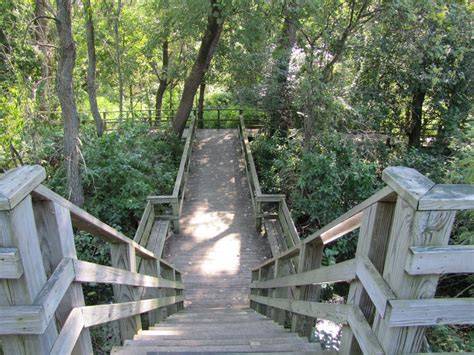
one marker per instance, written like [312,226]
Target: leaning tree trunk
[163,82]
[206,51]
[414,133]
[66,61]
[91,68]
[118,54]
[200,113]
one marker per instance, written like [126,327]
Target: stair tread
[200,342]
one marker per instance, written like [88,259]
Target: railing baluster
[123,257]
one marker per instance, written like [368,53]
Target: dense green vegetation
[346,88]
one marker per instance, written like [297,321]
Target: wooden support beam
[123,257]
[10,263]
[410,228]
[444,259]
[19,231]
[70,333]
[17,320]
[366,339]
[448,197]
[338,313]
[56,235]
[428,312]
[95,315]
[344,271]
[90,272]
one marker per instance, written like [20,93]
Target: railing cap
[17,183]
[407,183]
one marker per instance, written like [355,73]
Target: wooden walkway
[218,245]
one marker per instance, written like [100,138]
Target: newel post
[18,231]
[412,225]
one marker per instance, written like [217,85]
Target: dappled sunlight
[224,256]
[204,225]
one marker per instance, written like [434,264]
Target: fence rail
[42,308]
[402,249]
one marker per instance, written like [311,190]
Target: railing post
[57,242]
[18,230]
[312,256]
[372,243]
[218,118]
[169,274]
[410,227]
[123,257]
[152,267]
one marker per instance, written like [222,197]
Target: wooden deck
[218,245]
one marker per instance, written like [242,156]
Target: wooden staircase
[217,330]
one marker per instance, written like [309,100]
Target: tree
[207,49]
[91,67]
[66,62]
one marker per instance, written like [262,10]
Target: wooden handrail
[402,247]
[43,278]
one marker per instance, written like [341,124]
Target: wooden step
[287,338]
[218,348]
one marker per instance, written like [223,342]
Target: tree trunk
[206,51]
[41,30]
[279,94]
[414,133]
[118,53]
[91,68]
[163,82]
[66,61]
[200,113]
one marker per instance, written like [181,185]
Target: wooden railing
[42,308]
[401,251]
[173,204]
[267,205]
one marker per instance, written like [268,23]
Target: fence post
[218,118]
[57,242]
[123,257]
[410,227]
[372,243]
[18,230]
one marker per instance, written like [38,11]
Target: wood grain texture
[408,183]
[338,313]
[344,271]
[90,272]
[123,257]
[18,230]
[448,197]
[10,263]
[368,342]
[95,315]
[17,183]
[431,312]
[56,235]
[15,320]
[410,228]
[70,333]
[446,259]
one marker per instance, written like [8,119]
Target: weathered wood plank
[123,257]
[69,334]
[17,183]
[385,195]
[271,232]
[366,339]
[10,263]
[448,197]
[338,313]
[374,284]
[408,183]
[16,320]
[410,228]
[95,315]
[54,290]
[18,230]
[57,243]
[90,272]
[344,271]
[445,259]
[342,229]
[144,222]
[291,224]
[265,198]
[372,244]
[427,312]
[163,199]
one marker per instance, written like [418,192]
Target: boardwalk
[218,245]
